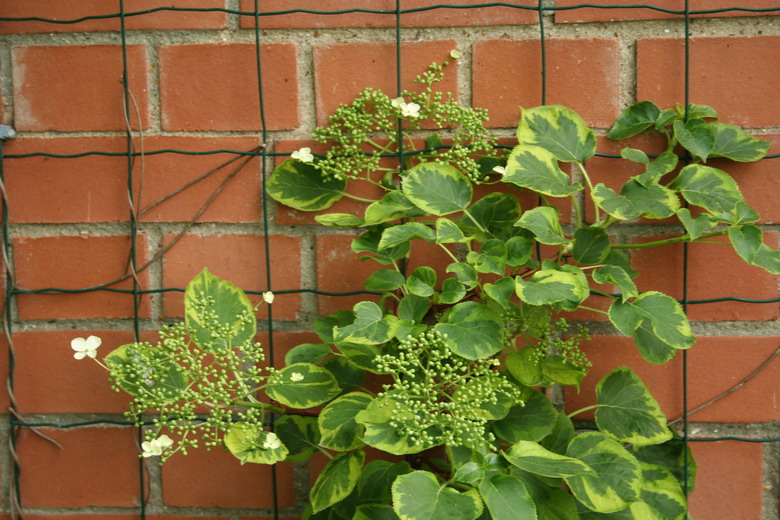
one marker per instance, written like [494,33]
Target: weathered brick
[90,261]
[659,9]
[94,467]
[461,15]
[75,88]
[336,82]
[75,9]
[214,87]
[239,259]
[508,74]
[740,97]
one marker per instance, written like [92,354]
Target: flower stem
[683,238]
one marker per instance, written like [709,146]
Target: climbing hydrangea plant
[464,354]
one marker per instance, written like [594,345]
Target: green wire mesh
[538,6]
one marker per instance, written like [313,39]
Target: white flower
[85,347]
[500,170]
[272,442]
[268,297]
[407,109]
[303,155]
[296,376]
[154,448]
[455,54]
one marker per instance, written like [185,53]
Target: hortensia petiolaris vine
[463,355]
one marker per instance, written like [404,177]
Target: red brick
[742,463]
[76,262]
[592,14]
[739,96]
[75,9]
[239,259]
[336,82]
[164,173]
[214,87]
[44,362]
[714,271]
[715,364]
[571,65]
[74,88]
[84,189]
[189,481]
[441,17]
[86,516]
[95,467]
[290,216]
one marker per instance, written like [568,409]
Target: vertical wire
[266,240]
[686,97]
[133,231]
[543,49]
[15,489]
[398,90]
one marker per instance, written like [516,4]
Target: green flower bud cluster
[444,398]
[557,341]
[365,131]
[189,391]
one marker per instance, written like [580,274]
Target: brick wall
[194,87]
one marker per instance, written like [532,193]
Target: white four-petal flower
[500,170]
[268,297]
[407,109]
[155,447]
[85,347]
[272,442]
[303,155]
[296,376]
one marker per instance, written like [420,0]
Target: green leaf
[547,287]
[618,276]
[369,241]
[634,155]
[734,143]
[657,323]
[545,223]
[507,498]
[697,111]
[537,169]
[634,120]
[299,434]
[169,377]
[559,130]
[413,308]
[347,374]
[672,455]
[379,418]
[529,422]
[371,326]
[401,233]
[384,280]
[452,291]
[362,356]
[393,206]
[437,188]
[635,199]
[250,443]
[375,512]
[666,117]
[591,245]
[712,189]
[530,456]
[469,473]
[695,227]
[696,136]
[377,479]
[472,330]
[748,241]
[496,407]
[302,385]
[494,213]
[616,478]
[519,251]
[307,353]
[662,492]
[447,232]
[628,412]
[525,366]
[557,370]
[323,326]
[336,480]
[301,186]
[660,166]
[491,257]
[340,220]
[337,423]
[466,273]
[419,496]
[422,281]
[501,291]
[218,314]
[561,435]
